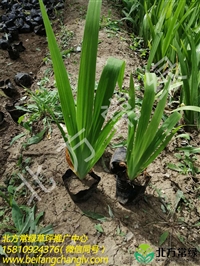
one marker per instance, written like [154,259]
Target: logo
[144,253]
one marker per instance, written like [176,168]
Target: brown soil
[128,226]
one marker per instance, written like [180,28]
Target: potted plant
[147,137]
[88,134]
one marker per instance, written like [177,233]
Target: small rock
[129,236]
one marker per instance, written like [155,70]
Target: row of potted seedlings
[22,17]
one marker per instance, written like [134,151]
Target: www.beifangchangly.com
[53,261]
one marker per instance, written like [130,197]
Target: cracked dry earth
[124,227]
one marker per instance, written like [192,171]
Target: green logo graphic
[144,254]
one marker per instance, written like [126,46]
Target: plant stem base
[127,191]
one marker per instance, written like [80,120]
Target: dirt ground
[124,227]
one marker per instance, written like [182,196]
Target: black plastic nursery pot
[15,113]
[72,183]
[127,190]
[9,89]
[23,79]
[79,190]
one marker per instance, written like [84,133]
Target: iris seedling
[147,134]
[84,118]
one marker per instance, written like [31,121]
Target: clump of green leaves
[163,25]
[110,24]
[133,12]
[87,136]
[38,105]
[160,23]
[189,58]
[26,222]
[37,118]
[147,135]
[187,161]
